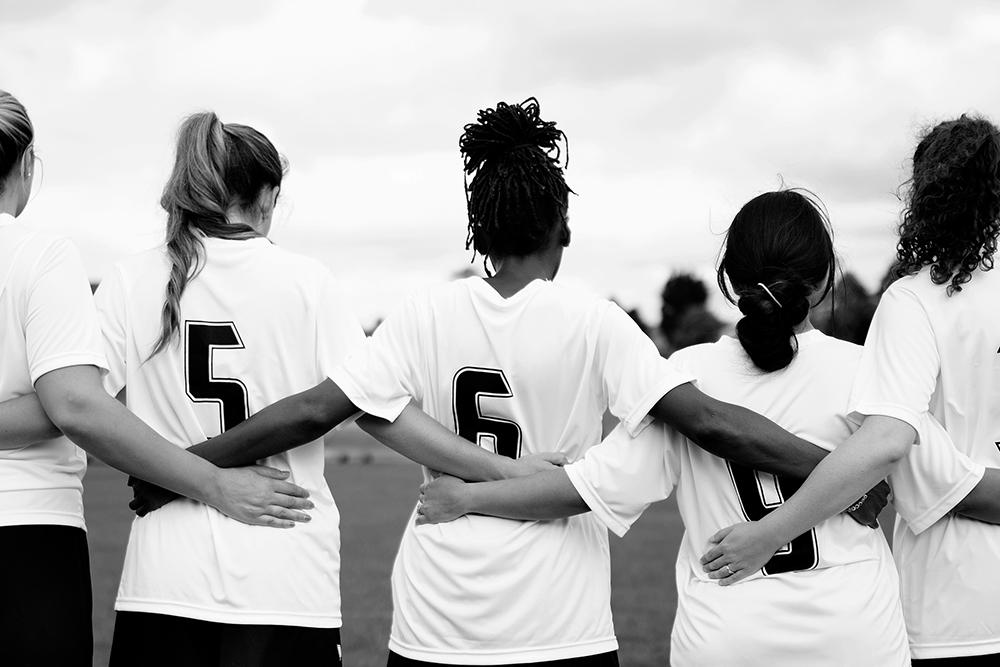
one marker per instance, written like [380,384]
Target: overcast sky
[677,114]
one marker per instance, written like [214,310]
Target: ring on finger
[728,570]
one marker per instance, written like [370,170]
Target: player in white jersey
[50,344]
[517,364]
[244,323]
[932,350]
[830,597]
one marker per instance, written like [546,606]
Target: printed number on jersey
[759,494]
[468,387]
[201,340]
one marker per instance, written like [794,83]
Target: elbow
[71,414]
[895,450]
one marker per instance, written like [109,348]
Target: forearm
[544,495]
[106,429]
[737,434]
[420,438]
[23,422]
[983,502]
[289,423]
[849,471]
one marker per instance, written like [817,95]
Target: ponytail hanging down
[217,167]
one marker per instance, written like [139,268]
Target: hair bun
[507,129]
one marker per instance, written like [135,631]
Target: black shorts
[609,659]
[967,661]
[45,603]
[159,640]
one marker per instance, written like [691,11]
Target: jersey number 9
[759,494]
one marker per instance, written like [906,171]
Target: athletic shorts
[159,640]
[45,603]
[609,659]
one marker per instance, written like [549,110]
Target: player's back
[949,362]
[529,373]
[41,274]
[257,323]
[839,570]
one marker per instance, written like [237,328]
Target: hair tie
[773,298]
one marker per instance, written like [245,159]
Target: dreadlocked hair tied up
[218,167]
[952,215]
[778,252]
[517,193]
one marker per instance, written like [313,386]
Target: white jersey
[928,352]
[531,373]
[47,322]
[257,324]
[831,597]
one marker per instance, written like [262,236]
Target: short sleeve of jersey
[111,313]
[623,475]
[60,325]
[379,377]
[933,477]
[899,365]
[634,374]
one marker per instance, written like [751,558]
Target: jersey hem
[636,420]
[947,502]
[387,410]
[42,519]
[858,413]
[594,502]
[56,362]
[964,650]
[505,656]
[243,617]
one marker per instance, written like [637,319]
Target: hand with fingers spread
[441,500]
[870,505]
[529,464]
[737,552]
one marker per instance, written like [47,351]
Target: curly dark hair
[952,215]
[518,192]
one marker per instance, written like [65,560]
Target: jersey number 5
[759,494]
[201,339]
[499,435]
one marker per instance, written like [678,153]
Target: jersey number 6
[759,494]
[201,339]
[499,435]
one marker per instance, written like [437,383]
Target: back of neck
[515,273]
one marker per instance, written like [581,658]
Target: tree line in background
[845,313]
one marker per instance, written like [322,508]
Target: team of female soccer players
[201,335]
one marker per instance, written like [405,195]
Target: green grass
[375,500]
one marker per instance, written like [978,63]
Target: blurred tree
[684,316]
[846,312]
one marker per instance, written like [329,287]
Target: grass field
[375,500]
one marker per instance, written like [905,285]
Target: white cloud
[676,113]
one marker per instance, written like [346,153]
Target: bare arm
[23,422]
[864,458]
[77,404]
[544,495]
[983,502]
[304,417]
[291,422]
[737,434]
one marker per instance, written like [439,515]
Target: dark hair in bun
[777,252]
[517,193]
